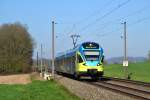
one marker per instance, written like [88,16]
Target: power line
[139,21]
[95,13]
[88,17]
[105,25]
[136,12]
[105,15]
[108,33]
[132,24]
[73,28]
[129,15]
[120,5]
[68,33]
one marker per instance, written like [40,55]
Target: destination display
[90,46]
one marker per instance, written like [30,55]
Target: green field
[140,71]
[37,90]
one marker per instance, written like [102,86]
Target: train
[85,60]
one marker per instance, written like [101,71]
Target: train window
[80,60]
[102,60]
[92,57]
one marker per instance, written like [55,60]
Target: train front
[90,60]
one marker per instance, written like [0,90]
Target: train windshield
[92,55]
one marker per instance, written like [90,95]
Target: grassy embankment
[37,90]
[140,71]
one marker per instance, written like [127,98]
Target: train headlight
[98,64]
[84,64]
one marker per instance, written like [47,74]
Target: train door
[76,74]
[73,62]
[76,62]
[79,60]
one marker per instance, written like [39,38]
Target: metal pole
[125,51]
[74,39]
[37,60]
[53,50]
[41,59]
[72,36]
[125,42]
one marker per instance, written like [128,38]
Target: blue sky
[94,20]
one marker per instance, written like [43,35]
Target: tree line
[16,48]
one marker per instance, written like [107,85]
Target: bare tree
[16,48]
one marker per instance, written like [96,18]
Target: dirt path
[15,79]
[36,76]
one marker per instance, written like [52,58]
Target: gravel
[89,92]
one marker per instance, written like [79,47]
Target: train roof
[71,52]
[67,53]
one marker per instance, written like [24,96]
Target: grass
[140,71]
[37,90]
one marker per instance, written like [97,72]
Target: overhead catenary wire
[96,12]
[100,18]
[139,21]
[129,25]
[129,15]
[110,12]
[88,17]
[105,15]
[105,25]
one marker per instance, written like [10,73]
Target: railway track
[130,83]
[136,89]
[144,84]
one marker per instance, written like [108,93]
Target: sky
[94,20]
